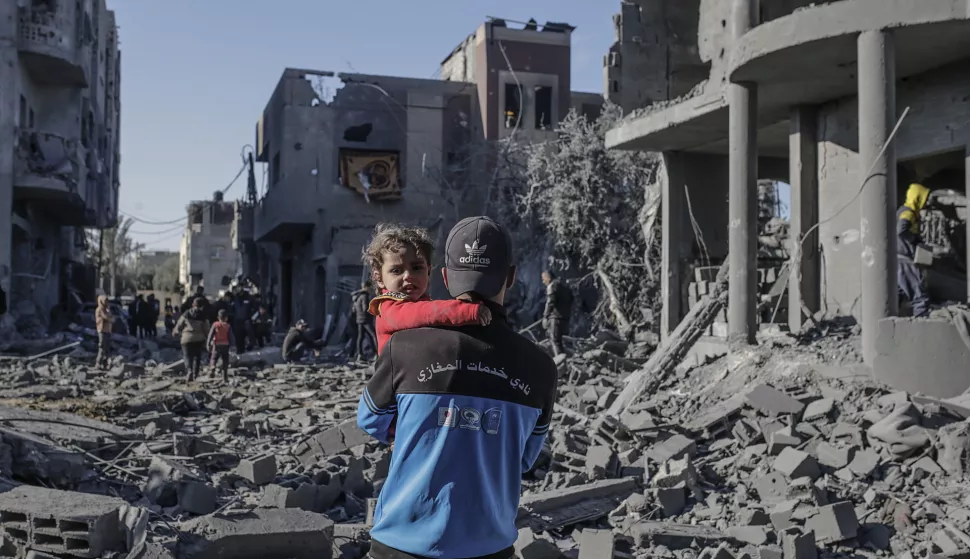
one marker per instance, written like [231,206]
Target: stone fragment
[782,439]
[263,533]
[673,500]
[197,498]
[259,470]
[798,545]
[596,544]
[773,401]
[795,464]
[834,523]
[818,409]
[601,462]
[527,546]
[864,462]
[771,487]
[754,535]
[674,472]
[673,448]
[833,456]
[674,536]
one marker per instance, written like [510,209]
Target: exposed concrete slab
[263,534]
[925,356]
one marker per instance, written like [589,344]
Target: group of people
[143,314]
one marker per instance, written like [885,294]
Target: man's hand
[484,315]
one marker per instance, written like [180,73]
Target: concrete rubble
[781,450]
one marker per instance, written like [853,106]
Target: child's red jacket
[394,312]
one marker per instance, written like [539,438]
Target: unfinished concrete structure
[206,255]
[807,94]
[59,145]
[345,152]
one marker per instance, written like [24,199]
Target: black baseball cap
[478,255]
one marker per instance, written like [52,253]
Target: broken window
[543,110]
[513,105]
[275,169]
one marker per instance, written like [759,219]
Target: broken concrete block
[259,470]
[833,456]
[796,545]
[263,533]
[673,472]
[62,522]
[197,498]
[164,477]
[795,464]
[596,544]
[601,462]
[771,487]
[527,546]
[947,542]
[673,448]
[773,401]
[834,523]
[864,462]
[754,535]
[674,536]
[782,439]
[673,500]
[818,409]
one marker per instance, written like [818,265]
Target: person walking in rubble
[262,326]
[241,312]
[555,317]
[365,329]
[219,341]
[472,405]
[193,327]
[104,323]
[909,276]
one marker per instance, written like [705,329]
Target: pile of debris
[784,450]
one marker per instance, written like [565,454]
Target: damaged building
[206,255]
[812,94]
[344,152]
[59,148]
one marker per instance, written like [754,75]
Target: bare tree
[114,251]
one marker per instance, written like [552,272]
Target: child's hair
[392,238]
[223,314]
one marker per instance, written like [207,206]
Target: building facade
[344,152]
[206,255]
[59,144]
[808,93]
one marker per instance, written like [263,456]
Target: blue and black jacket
[473,406]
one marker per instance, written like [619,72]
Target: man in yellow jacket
[909,277]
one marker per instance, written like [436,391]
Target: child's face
[405,271]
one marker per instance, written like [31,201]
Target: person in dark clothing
[169,319]
[133,309]
[473,406]
[298,341]
[555,317]
[154,311]
[3,301]
[363,319]
[146,315]
[193,327]
[241,313]
[908,275]
[262,326]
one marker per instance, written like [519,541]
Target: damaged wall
[321,224]
[937,100]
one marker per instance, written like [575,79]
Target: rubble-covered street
[786,450]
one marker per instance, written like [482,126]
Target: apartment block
[59,146]
[206,255]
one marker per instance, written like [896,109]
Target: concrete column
[743,193]
[804,280]
[673,210]
[9,107]
[877,115]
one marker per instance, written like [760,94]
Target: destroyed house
[344,152]
[807,93]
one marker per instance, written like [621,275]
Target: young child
[220,336]
[400,262]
